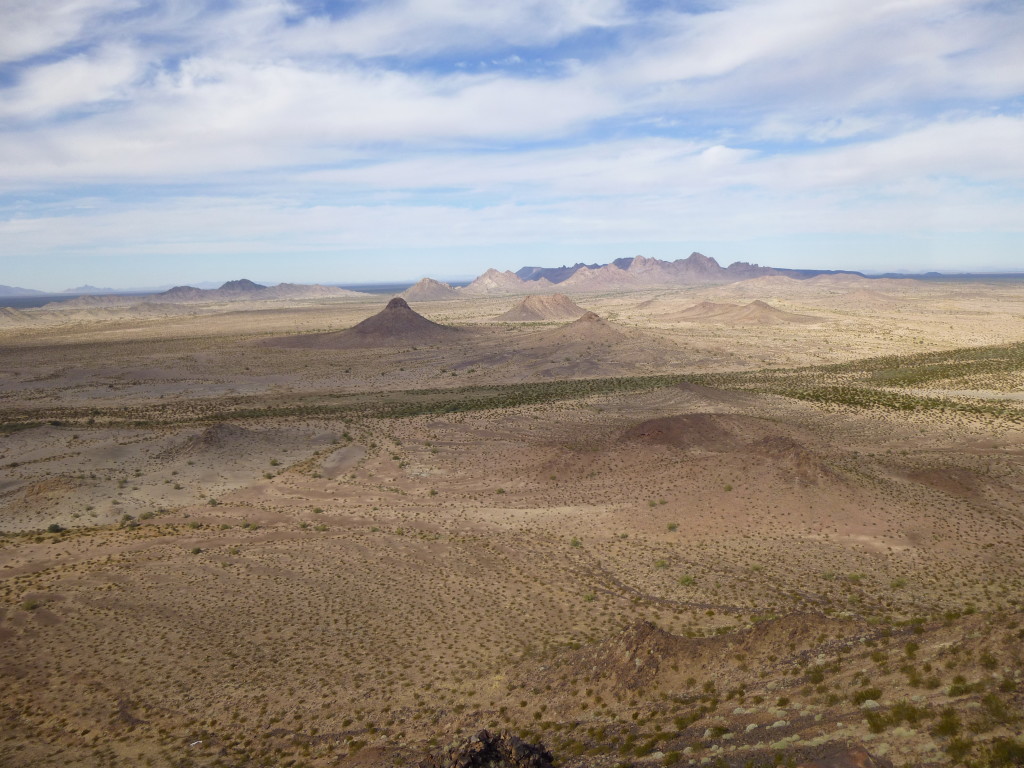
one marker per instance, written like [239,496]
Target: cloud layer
[244,131]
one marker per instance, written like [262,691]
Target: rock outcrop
[487,750]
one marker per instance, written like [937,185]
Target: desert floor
[659,538]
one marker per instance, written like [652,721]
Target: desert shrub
[948,725]
[1006,751]
[958,749]
[866,694]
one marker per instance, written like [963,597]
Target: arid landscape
[747,521]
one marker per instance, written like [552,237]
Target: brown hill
[608,277]
[493,281]
[590,328]
[395,325]
[558,306]
[702,311]
[429,289]
[715,432]
[759,439]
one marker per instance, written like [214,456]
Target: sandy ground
[233,580]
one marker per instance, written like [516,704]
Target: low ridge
[755,313]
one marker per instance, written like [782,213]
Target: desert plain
[771,522]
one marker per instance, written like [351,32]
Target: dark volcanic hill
[395,325]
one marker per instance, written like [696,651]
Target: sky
[145,142]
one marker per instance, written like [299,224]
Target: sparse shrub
[1005,751]
[673,527]
[948,725]
[866,694]
[958,749]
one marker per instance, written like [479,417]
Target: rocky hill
[558,306]
[429,289]
[395,325]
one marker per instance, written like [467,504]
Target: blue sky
[145,143]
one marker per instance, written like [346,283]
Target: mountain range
[623,273]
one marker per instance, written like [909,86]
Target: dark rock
[487,750]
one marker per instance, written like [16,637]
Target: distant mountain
[553,274]
[88,289]
[429,289]
[493,281]
[241,286]
[247,290]
[10,290]
[641,272]
[233,290]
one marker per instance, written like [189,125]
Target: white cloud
[30,27]
[420,27]
[767,117]
[76,81]
[215,116]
